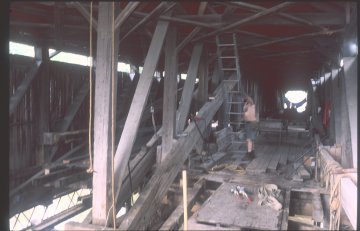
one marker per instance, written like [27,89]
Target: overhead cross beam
[125,13]
[245,20]
[148,17]
[196,30]
[284,15]
[84,12]
[309,35]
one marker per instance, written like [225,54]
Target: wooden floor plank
[226,209]
[284,155]
[275,159]
[177,216]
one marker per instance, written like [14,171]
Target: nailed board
[225,209]
[275,159]
[284,155]
[260,163]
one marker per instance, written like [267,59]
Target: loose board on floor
[227,210]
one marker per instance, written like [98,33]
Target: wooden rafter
[84,12]
[284,15]
[125,13]
[245,20]
[309,35]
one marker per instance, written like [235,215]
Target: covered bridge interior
[111,145]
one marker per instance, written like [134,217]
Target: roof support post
[170,89]
[188,89]
[132,123]
[42,94]
[102,115]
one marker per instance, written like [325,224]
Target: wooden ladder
[228,60]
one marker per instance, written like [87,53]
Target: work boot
[248,156]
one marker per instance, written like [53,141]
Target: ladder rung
[239,151]
[235,102]
[227,57]
[235,113]
[238,142]
[235,92]
[228,69]
[226,44]
[236,122]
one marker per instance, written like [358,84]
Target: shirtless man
[251,127]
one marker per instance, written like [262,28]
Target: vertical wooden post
[184,181]
[43,96]
[170,89]
[187,92]
[102,116]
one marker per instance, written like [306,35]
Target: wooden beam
[203,81]
[293,38]
[132,123]
[176,216]
[245,20]
[102,117]
[188,89]
[284,15]
[84,12]
[22,88]
[349,200]
[42,94]
[182,20]
[125,13]
[148,17]
[185,41]
[170,86]
[142,212]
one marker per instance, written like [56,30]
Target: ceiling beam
[181,20]
[284,15]
[245,20]
[125,13]
[45,25]
[84,12]
[293,38]
[201,11]
[150,16]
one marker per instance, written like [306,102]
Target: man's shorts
[251,129]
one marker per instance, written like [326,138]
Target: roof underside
[286,44]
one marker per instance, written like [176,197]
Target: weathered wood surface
[139,217]
[102,115]
[284,155]
[193,225]
[226,209]
[188,89]
[349,200]
[170,86]
[132,123]
[284,220]
[275,159]
[176,216]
